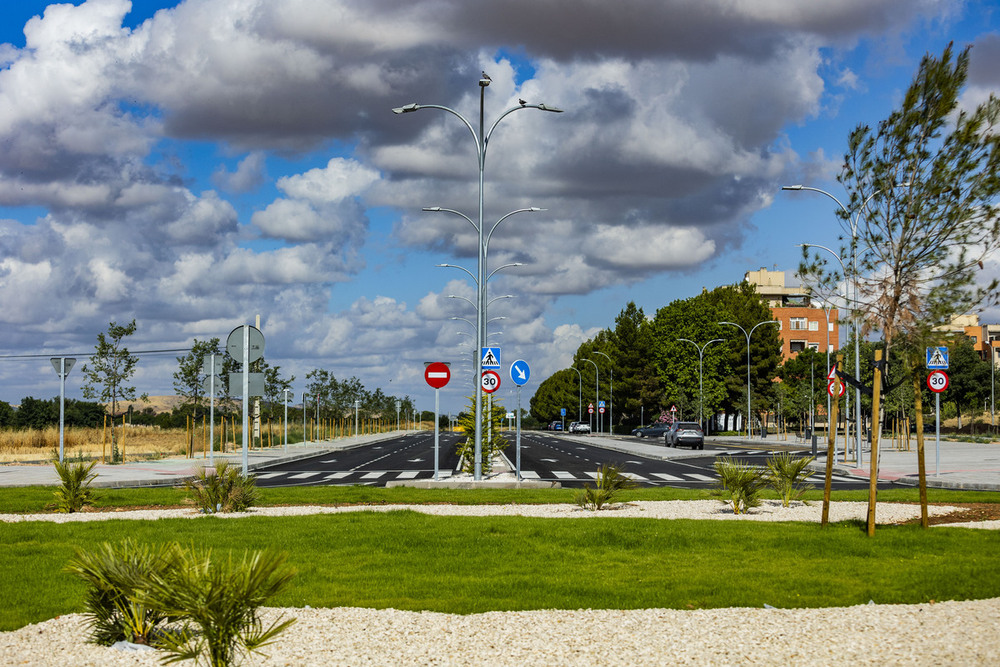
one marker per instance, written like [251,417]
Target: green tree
[636,384]
[560,390]
[189,379]
[108,372]
[968,379]
[492,424]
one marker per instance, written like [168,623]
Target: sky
[196,164]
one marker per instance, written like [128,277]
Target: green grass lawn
[407,560]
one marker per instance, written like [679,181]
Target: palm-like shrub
[740,482]
[611,479]
[216,601]
[224,489]
[116,574]
[787,474]
[74,492]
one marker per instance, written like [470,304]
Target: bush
[611,479]
[183,601]
[224,489]
[217,604]
[787,474]
[74,493]
[116,575]
[741,482]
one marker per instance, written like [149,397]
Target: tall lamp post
[597,389]
[482,139]
[611,401]
[701,368]
[854,220]
[754,328]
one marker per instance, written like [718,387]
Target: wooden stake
[873,456]
[921,469]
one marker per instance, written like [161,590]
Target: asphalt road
[543,457]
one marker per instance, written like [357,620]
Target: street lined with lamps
[749,413]
[701,374]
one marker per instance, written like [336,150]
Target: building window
[797,323]
[813,326]
[796,346]
[829,327]
[813,346]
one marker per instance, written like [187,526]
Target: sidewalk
[174,471]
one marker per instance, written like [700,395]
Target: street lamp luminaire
[748,366]
[701,368]
[482,139]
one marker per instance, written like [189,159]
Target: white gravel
[769,510]
[946,633]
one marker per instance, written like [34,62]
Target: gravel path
[946,633]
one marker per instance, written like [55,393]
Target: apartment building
[802,324]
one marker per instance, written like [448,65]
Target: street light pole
[611,401]
[854,220]
[749,413]
[701,369]
[597,389]
[482,141]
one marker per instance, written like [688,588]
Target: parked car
[685,433]
[555,426]
[652,431]
[579,427]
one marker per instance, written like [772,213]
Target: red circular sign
[490,381]
[437,374]
[937,381]
[831,387]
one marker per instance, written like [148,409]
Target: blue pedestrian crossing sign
[937,358]
[491,357]
[520,372]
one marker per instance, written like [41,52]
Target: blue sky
[194,164]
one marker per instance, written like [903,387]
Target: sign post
[63,365]
[937,381]
[519,374]
[246,345]
[437,374]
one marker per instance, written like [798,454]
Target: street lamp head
[406,109]
[535,209]
[432,209]
[791,187]
[544,107]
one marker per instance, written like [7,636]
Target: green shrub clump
[611,480]
[740,482]
[74,492]
[787,474]
[224,489]
[188,602]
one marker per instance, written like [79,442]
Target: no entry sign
[437,374]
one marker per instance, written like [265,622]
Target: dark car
[555,426]
[685,433]
[651,431]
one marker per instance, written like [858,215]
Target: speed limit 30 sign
[490,381]
[937,381]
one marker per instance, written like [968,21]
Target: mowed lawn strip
[408,560]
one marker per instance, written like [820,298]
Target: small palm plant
[74,493]
[217,602]
[224,489]
[741,482]
[787,475]
[115,575]
[611,479]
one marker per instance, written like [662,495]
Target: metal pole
[303,418]
[597,390]
[437,413]
[286,420]
[211,413]
[611,401]
[62,405]
[518,438]
[246,398]
[937,434]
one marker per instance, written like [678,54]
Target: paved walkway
[958,465]
[173,471]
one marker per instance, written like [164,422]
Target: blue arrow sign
[520,372]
